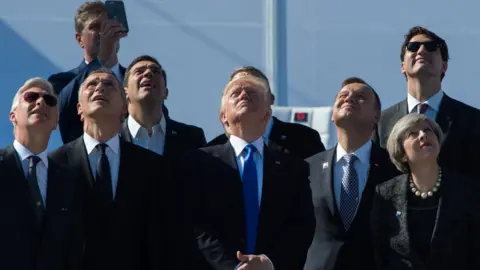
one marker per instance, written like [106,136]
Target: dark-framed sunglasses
[30,97]
[430,46]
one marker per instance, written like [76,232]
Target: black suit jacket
[460,147]
[180,138]
[297,139]
[333,247]
[286,221]
[27,245]
[456,236]
[147,230]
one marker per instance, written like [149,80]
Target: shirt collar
[24,153]
[115,69]
[362,153]
[268,128]
[239,144]
[433,102]
[135,127]
[90,143]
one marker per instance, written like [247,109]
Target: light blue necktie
[250,197]
[349,192]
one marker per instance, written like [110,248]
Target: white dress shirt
[116,70]
[113,155]
[361,165]
[156,142]
[238,145]
[42,167]
[433,105]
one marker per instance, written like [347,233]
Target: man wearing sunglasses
[424,57]
[38,229]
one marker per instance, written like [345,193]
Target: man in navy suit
[89,19]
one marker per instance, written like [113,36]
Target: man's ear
[79,40]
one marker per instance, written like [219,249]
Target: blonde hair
[400,131]
[86,12]
[249,79]
[29,84]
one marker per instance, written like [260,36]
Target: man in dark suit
[40,200]
[146,88]
[99,38]
[90,17]
[297,139]
[343,181]
[252,204]
[131,199]
[424,57]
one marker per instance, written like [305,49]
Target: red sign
[301,117]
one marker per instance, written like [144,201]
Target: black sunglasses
[30,97]
[430,46]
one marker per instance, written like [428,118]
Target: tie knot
[350,158]
[101,147]
[422,108]
[34,160]
[250,148]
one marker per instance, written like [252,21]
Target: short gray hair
[400,132]
[29,84]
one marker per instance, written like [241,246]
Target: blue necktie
[349,192]
[250,198]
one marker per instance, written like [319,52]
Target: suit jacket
[25,244]
[180,138]
[333,247]
[145,229]
[456,235]
[286,220]
[61,79]
[460,147]
[297,139]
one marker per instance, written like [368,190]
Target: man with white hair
[38,230]
[252,204]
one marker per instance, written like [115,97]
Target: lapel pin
[325,165]
[64,209]
[283,137]
[277,162]
[398,213]
[174,132]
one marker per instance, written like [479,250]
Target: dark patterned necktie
[349,192]
[103,179]
[422,108]
[34,188]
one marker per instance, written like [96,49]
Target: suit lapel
[79,157]
[16,183]
[171,139]
[444,118]
[125,132]
[277,140]
[399,222]
[401,111]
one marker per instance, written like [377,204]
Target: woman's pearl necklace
[427,194]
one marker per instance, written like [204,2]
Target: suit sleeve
[210,253]
[290,252]
[377,227]
[69,121]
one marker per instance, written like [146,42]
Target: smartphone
[116,11]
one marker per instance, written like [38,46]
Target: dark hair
[251,70]
[351,80]
[88,11]
[140,59]
[419,30]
